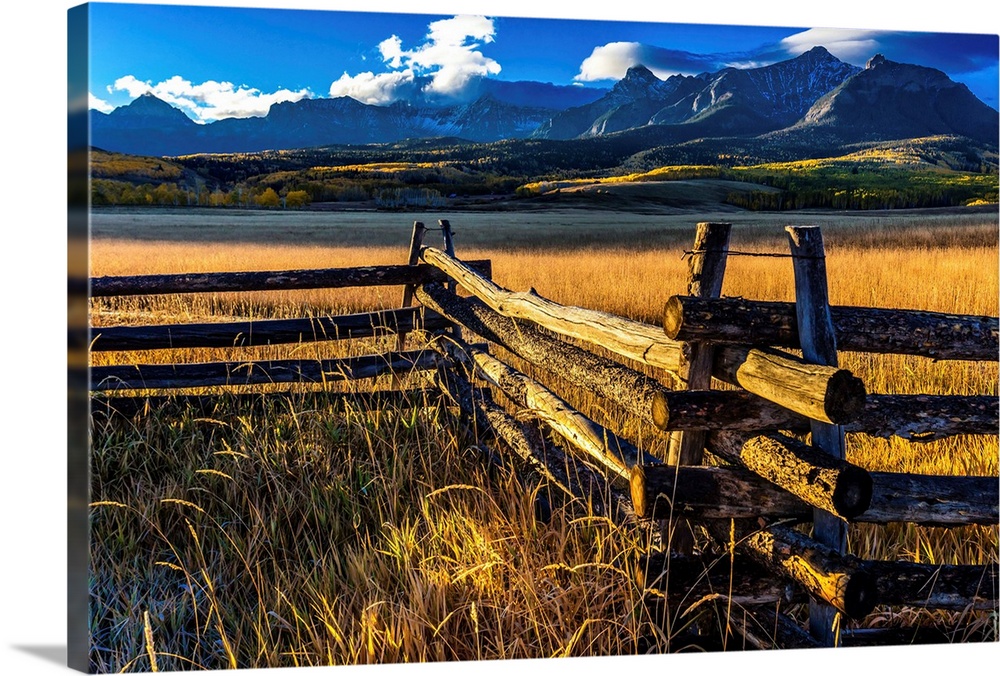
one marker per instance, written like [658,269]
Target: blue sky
[215,62]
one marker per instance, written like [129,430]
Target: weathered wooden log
[835,579]
[858,329]
[416,239]
[688,580]
[330,278]
[951,587]
[635,340]
[934,500]
[767,628]
[170,376]
[449,250]
[871,637]
[736,493]
[706,269]
[263,332]
[819,479]
[634,391]
[704,492]
[614,454]
[819,346]
[208,405]
[927,417]
[916,417]
[819,392]
[572,478]
[624,386]
[735,410]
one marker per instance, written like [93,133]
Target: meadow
[306,531]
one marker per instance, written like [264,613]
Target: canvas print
[401,338]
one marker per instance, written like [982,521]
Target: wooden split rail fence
[765,480]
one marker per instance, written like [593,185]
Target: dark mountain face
[889,100]
[729,102]
[801,102]
[147,126]
[149,112]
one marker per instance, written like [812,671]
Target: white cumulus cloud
[377,90]
[210,100]
[95,103]
[847,44]
[449,57]
[612,60]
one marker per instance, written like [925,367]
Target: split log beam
[927,417]
[836,579]
[705,492]
[736,493]
[916,417]
[329,278]
[170,376]
[949,587]
[262,332]
[933,500]
[826,482]
[641,342]
[687,580]
[549,462]
[614,454]
[816,391]
[858,329]
[637,392]
[626,387]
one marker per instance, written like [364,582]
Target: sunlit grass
[307,531]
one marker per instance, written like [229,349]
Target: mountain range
[813,99]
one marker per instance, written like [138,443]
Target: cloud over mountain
[95,103]
[448,60]
[850,45]
[210,100]
[611,61]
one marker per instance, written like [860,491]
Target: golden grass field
[307,533]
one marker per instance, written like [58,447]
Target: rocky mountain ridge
[813,96]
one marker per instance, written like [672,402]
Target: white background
[33,377]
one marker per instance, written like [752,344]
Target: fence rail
[765,479]
[284,280]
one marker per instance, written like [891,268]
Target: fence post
[449,248]
[819,345]
[416,239]
[706,269]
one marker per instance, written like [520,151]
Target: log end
[673,317]
[661,411]
[637,482]
[845,397]
[852,496]
[861,595]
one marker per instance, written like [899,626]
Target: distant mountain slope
[799,108]
[889,100]
[729,102]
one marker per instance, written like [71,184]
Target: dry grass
[306,532]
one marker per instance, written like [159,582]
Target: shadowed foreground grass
[305,533]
